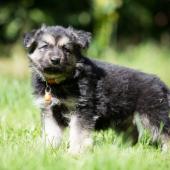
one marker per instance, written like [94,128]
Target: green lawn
[20,142]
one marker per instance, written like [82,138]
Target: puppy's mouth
[54,70]
[56,74]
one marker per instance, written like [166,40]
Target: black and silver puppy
[86,94]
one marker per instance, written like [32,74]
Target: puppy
[84,94]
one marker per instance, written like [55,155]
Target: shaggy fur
[94,94]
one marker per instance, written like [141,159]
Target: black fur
[109,96]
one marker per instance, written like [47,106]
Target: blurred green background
[114,23]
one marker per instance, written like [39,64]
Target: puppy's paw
[165,148]
[52,142]
[78,148]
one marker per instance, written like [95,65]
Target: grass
[20,142]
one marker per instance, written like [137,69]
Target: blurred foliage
[144,19]
[120,21]
[105,17]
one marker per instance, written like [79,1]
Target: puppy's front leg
[51,131]
[80,135]
[83,122]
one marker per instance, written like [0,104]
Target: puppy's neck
[56,78]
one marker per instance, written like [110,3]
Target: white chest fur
[70,102]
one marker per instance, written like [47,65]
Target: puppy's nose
[55,60]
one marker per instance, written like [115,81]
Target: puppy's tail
[168,97]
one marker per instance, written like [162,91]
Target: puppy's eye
[43,46]
[66,48]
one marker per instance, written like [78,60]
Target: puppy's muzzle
[55,60]
[57,57]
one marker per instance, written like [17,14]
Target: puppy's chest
[70,103]
[67,95]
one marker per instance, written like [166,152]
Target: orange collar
[52,81]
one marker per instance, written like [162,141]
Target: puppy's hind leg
[153,109]
[129,130]
[159,126]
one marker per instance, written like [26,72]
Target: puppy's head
[53,51]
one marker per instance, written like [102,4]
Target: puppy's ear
[29,38]
[81,38]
